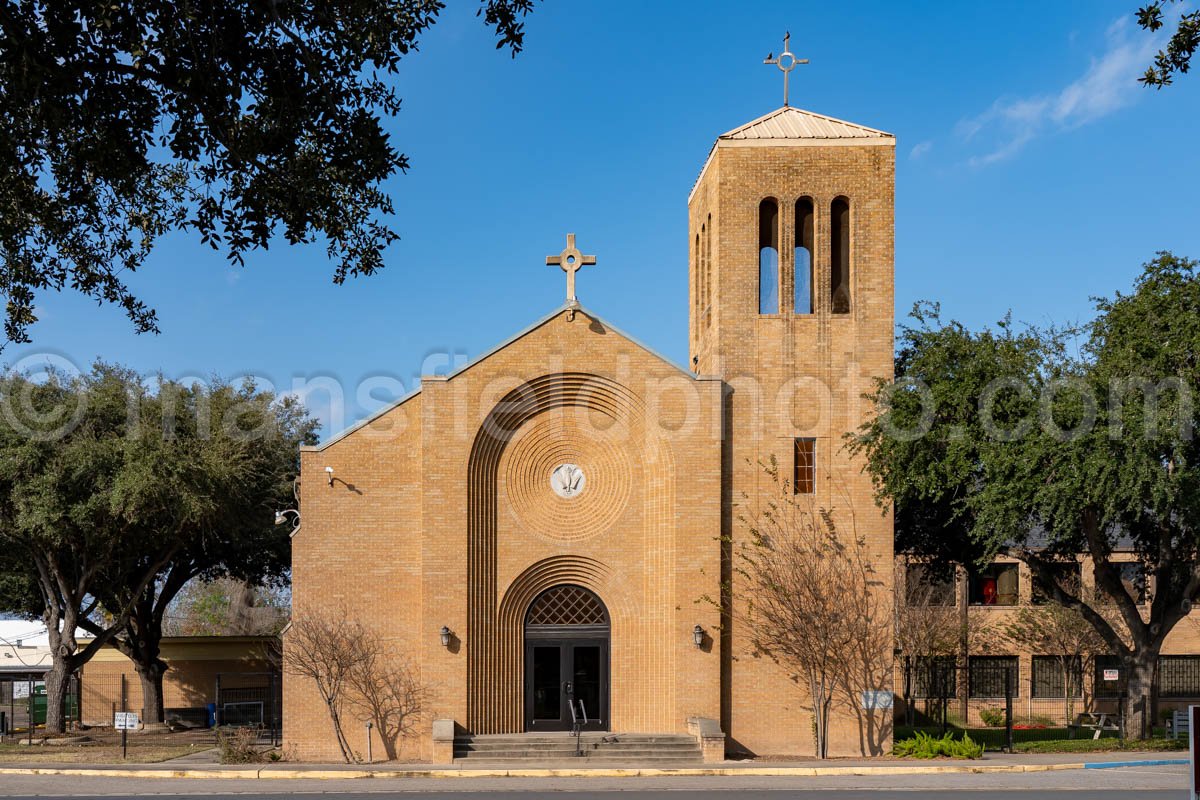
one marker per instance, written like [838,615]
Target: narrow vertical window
[768,257]
[839,261]
[697,274]
[708,270]
[804,466]
[804,256]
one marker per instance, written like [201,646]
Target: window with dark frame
[1053,676]
[1066,575]
[933,676]
[985,675]
[995,585]
[1133,578]
[926,585]
[804,470]
[1179,677]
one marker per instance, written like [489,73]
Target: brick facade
[441,511]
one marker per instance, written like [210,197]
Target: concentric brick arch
[494,668]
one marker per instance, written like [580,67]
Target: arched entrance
[566,659]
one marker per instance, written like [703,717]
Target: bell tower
[792,306]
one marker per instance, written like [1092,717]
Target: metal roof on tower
[795,123]
[794,126]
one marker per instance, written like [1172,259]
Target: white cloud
[920,149]
[1108,85]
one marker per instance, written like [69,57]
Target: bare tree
[327,649]
[811,600]
[387,692]
[934,622]
[1063,633]
[927,625]
[353,669]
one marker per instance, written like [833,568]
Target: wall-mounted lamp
[445,634]
[282,517]
[329,475]
[698,636]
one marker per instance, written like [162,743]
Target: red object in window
[990,595]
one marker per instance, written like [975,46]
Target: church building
[538,534]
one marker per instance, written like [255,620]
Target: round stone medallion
[567,480]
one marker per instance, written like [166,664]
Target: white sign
[877,698]
[125,721]
[1111,675]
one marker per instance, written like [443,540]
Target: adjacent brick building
[553,512]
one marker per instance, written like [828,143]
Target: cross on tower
[786,62]
[570,260]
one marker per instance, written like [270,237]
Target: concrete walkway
[192,767]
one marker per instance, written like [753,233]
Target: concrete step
[638,753]
[572,746]
[591,737]
[607,748]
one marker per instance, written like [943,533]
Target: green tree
[239,121]
[1177,56]
[111,493]
[237,448]
[1029,447]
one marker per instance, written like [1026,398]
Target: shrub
[922,745]
[1035,721]
[1102,745]
[237,745]
[992,717]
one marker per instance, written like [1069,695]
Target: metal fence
[1058,697]
[941,693]
[251,699]
[23,704]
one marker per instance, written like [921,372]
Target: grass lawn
[91,754]
[104,747]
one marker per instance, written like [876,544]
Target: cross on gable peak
[570,260]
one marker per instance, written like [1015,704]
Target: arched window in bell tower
[708,271]
[697,277]
[768,257]
[803,279]
[839,256]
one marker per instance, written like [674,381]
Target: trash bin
[211,709]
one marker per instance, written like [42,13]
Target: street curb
[1162,762]
[599,772]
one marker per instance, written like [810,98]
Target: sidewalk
[992,763]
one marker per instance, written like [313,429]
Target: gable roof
[579,309]
[796,123]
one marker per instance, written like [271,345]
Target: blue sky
[1032,173]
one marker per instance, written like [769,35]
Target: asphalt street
[1130,783]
